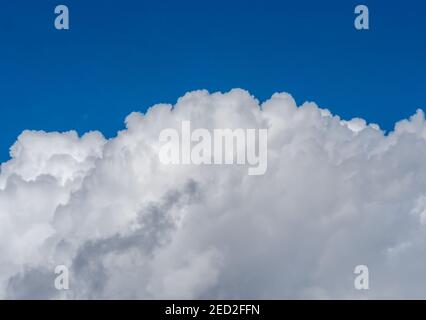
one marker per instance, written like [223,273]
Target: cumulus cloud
[336,194]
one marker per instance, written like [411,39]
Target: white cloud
[336,194]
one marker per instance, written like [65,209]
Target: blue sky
[124,56]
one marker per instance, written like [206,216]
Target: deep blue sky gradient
[124,56]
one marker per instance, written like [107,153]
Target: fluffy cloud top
[336,194]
